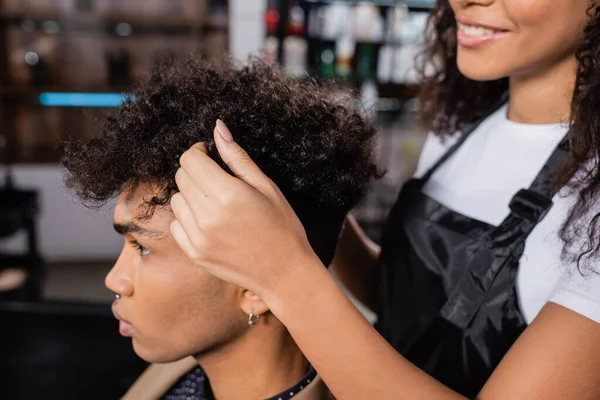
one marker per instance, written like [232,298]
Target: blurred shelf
[40,108]
[28,96]
[386,90]
[27,90]
[122,25]
[100,98]
[397,90]
[357,42]
[417,4]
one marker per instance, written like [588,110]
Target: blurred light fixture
[123,29]
[79,99]
[327,56]
[32,58]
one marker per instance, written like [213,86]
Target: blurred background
[63,62]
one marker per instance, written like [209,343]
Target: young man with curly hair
[213,339]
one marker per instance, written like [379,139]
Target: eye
[144,251]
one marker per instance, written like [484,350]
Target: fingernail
[223,131]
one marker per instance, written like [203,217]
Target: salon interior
[65,62]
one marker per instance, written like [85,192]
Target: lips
[472,22]
[125,328]
[473,33]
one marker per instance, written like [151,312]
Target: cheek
[181,310]
[454,5]
[531,12]
[166,293]
[548,18]
[545,32]
[552,34]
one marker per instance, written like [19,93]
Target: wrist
[296,286]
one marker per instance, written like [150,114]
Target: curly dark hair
[449,100]
[580,174]
[314,146]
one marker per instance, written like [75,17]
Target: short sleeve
[579,292]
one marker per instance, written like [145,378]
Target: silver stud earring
[253,319]
[117,296]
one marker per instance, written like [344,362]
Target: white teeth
[475,31]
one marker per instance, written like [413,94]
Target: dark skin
[557,356]
[177,310]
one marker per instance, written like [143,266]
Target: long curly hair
[317,148]
[580,175]
[449,101]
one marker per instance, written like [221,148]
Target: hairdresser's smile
[472,33]
[500,38]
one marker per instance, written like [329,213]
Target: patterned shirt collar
[195,386]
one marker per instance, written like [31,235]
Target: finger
[203,170]
[183,241]
[236,158]
[187,187]
[194,201]
[185,216]
[202,147]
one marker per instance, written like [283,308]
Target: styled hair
[316,147]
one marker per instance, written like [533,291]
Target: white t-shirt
[479,180]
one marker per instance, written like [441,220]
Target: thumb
[236,158]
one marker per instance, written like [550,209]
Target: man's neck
[262,363]
[543,97]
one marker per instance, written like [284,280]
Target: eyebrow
[130,227]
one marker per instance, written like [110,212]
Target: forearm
[352,358]
[355,263]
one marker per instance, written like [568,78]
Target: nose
[118,279]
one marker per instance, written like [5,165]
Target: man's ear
[251,303]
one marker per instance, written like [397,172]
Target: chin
[155,354]
[477,69]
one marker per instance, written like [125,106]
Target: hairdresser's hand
[240,229]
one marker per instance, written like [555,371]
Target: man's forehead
[132,206]
[134,195]
[129,205]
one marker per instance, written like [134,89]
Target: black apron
[448,297]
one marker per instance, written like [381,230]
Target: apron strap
[532,204]
[544,181]
[527,208]
[464,136]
